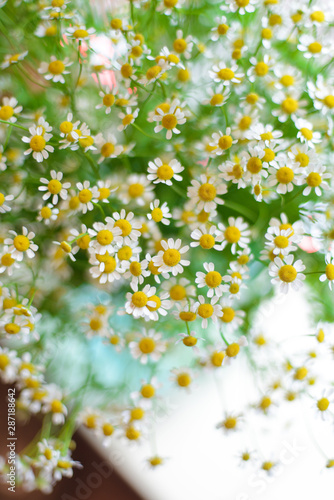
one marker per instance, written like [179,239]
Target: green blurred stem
[14,125]
[143,132]
[224,339]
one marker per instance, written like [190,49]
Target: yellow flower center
[136,51]
[107,429]
[85,142]
[126,70]
[265,403]
[12,328]
[135,190]
[157,214]
[116,24]
[104,193]
[290,105]
[85,196]
[124,226]
[213,279]
[7,260]
[269,155]
[154,270]
[313,179]
[135,268]
[80,33]
[170,3]
[301,373]
[216,99]
[205,310]
[137,413]
[124,253]
[303,159]
[287,273]
[207,241]
[232,234]
[189,341]
[315,47]
[234,288]
[171,257]
[228,314]
[232,350]
[225,74]
[139,299]
[242,3]
[56,406]
[284,175]
[281,241]
[223,29]
[37,143]
[187,316]
[6,112]
[245,122]
[56,67]
[57,3]
[183,75]
[132,434]
[330,272]
[114,339]
[266,33]
[54,186]
[307,133]
[66,127]
[153,72]
[329,101]
[169,121]
[177,292]
[261,68]
[252,98]
[275,19]
[217,358]
[147,391]
[207,192]
[21,243]
[157,301]
[230,423]
[183,379]
[83,242]
[225,142]
[165,172]
[95,324]
[110,265]
[51,31]
[108,100]
[179,45]
[254,165]
[146,345]
[317,16]
[107,149]
[323,404]
[46,212]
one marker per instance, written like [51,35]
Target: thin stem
[143,132]
[14,125]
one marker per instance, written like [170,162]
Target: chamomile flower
[128,225]
[329,272]
[38,144]
[306,134]
[9,363]
[220,30]
[107,148]
[87,196]
[231,318]
[164,172]
[204,193]
[212,279]
[234,171]
[284,175]
[236,233]
[217,97]
[137,190]
[21,244]
[240,6]
[315,179]
[105,268]
[53,404]
[148,346]
[159,214]
[291,106]
[7,262]
[208,309]
[54,187]
[67,127]
[170,119]
[221,73]
[55,69]
[161,306]
[79,33]
[169,260]
[221,142]
[179,289]
[260,68]
[206,238]
[303,156]
[13,59]
[105,236]
[254,164]
[3,205]
[312,46]
[183,45]
[127,118]
[136,270]
[47,213]
[286,273]
[108,99]
[138,301]
[9,109]
[3,160]
[280,241]
[183,377]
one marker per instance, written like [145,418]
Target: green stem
[14,125]
[143,132]
[224,339]
[243,210]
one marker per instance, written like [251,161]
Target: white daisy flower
[260,68]
[208,309]
[169,260]
[9,363]
[231,318]
[206,238]
[127,118]
[9,109]
[284,175]
[221,73]
[179,289]
[183,45]
[234,171]
[222,142]
[212,279]
[128,225]
[315,179]
[236,233]
[79,33]
[255,168]
[137,189]
[54,187]
[306,134]
[105,190]
[87,196]
[280,241]
[329,272]
[149,346]
[286,273]
[136,270]
[107,148]
[170,119]
[204,193]
[3,160]
[221,29]
[162,304]
[38,144]
[108,99]
[21,244]
[3,199]
[138,301]
[106,236]
[312,46]
[105,268]
[10,59]
[164,172]
[240,6]
[7,263]
[302,155]
[47,213]
[159,214]
[183,377]
[233,349]
[290,105]
[218,97]
[55,69]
